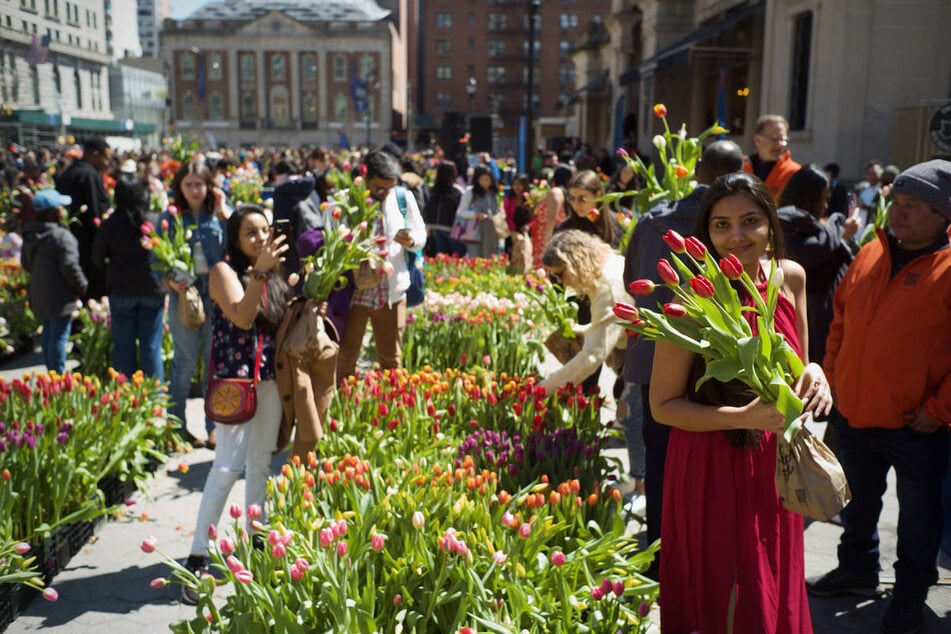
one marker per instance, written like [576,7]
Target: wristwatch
[257,275]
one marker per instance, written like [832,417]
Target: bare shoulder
[794,275]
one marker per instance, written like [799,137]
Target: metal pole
[533,6]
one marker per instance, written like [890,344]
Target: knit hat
[930,182]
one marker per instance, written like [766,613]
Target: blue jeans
[53,342]
[920,461]
[188,344]
[633,424]
[445,244]
[138,319]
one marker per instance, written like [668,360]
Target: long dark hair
[806,190]
[201,169]
[446,173]
[736,393]
[271,311]
[132,198]
[740,183]
[477,190]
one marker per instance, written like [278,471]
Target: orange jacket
[889,346]
[784,168]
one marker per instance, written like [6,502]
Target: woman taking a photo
[250,297]
[733,556]
[204,212]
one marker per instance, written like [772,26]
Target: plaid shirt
[374,298]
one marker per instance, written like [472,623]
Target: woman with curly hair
[594,270]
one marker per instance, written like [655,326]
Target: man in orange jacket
[772,162]
[888,359]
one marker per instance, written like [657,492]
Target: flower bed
[444,500]
[18,323]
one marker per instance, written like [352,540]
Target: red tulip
[625,311]
[674,310]
[641,288]
[675,241]
[681,172]
[702,287]
[593,215]
[695,248]
[731,267]
[660,110]
[667,273]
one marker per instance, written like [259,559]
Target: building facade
[291,72]
[150,15]
[139,89]
[472,57]
[66,92]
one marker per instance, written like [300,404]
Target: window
[799,73]
[308,69]
[495,75]
[443,73]
[57,82]
[367,67]
[495,48]
[536,78]
[471,45]
[566,76]
[568,21]
[309,108]
[497,21]
[247,107]
[340,68]
[341,104]
[537,21]
[564,48]
[278,68]
[188,106]
[247,66]
[188,66]
[536,102]
[443,20]
[214,66]
[443,47]
[215,106]
[443,99]
[538,49]
[78,88]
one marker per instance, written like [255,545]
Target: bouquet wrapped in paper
[709,320]
[170,247]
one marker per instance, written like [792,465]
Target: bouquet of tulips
[536,193]
[170,247]
[881,218]
[246,187]
[20,323]
[679,155]
[708,320]
[347,240]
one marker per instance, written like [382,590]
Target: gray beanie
[930,182]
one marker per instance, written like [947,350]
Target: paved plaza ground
[105,588]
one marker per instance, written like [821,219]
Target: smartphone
[282,228]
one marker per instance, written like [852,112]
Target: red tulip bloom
[695,248]
[675,310]
[641,288]
[681,172]
[660,110]
[667,273]
[625,311]
[702,287]
[675,241]
[731,267]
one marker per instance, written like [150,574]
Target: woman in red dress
[732,555]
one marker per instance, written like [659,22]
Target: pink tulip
[341,548]
[235,510]
[50,594]
[226,546]
[606,585]
[254,511]
[340,528]
[212,532]
[558,558]
[149,544]
[508,520]
[279,550]
[302,563]
[22,548]
[525,530]
[296,572]
[499,557]
[326,537]
[643,609]
[397,600]
[597,593]
[618,588]
[377,542]
[273,537]
[418,520]
[158,582]
[234,564]
[244,576]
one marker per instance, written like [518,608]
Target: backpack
[414,261]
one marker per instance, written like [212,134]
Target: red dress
[724,530]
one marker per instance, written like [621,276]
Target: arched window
[308,67]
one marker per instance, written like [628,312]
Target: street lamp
[533,6]
[471,86]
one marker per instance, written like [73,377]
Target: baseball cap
[49,198]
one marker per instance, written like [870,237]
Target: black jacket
[440,210]
[118,251]
[84,184]
[51,256]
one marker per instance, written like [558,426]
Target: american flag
[38,51]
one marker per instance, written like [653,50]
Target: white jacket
[398,280]
[603,334]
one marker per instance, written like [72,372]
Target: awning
[691,41]
[115,126]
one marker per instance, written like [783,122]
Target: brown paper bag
[563,348]
[809,479]
[313,336]
[367,275]
[191,310]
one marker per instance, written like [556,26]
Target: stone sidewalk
[106,586]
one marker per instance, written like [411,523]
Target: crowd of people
[869,323]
